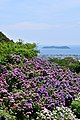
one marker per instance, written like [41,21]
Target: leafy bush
[75,67]
[75,106]
[6,48]
[67,62]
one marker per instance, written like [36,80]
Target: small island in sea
[57,47]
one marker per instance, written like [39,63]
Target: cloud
[30,26]
[39,26]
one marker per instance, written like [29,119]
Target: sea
[74,51]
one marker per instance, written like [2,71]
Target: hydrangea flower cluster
[60,113]
[26,86]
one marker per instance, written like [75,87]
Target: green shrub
[75,106]
[6,48]
[75,67]
[67,62]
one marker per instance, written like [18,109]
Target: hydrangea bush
[60,113]
[29,85]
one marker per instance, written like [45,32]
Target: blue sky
[51,22]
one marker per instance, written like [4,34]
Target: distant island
[57,47]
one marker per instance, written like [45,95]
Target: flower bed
[28,86]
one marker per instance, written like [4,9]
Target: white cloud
[39,26]
[29,26]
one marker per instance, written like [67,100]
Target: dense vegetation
[28,87]
[3,38]
[67,62]
[75,106]
[8,47]
[32,88]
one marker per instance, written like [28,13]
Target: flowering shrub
[60,113]
[28,86]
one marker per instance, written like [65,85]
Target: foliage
[75,106]
[5,114]
[3,38]
[67,62]
[7,48]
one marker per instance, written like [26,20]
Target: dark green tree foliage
[7,47]
[3,38]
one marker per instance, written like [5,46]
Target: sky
[45,22]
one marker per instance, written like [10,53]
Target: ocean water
[48,52]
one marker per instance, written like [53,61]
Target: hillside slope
[4,38]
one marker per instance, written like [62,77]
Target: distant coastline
[57,47]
